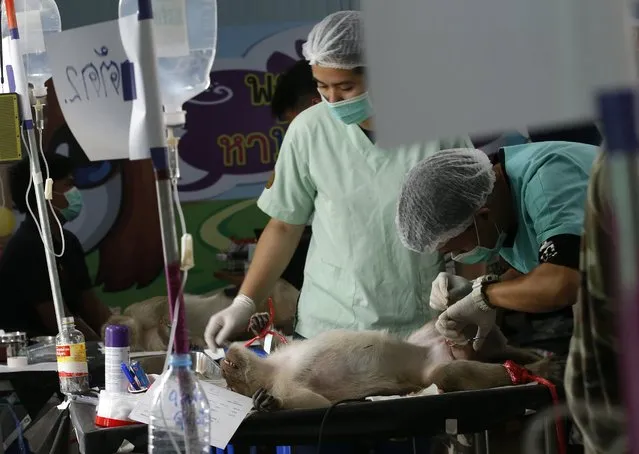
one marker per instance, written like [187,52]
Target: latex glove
[447,289]
[466,311]
[229,321]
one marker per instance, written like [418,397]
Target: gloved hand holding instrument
[472,309]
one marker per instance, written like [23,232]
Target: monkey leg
[297,397]
[462,375]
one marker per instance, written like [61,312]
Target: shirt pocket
[328,294]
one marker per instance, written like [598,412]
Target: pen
[129,376]
[140,374]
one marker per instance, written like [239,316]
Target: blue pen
[140,374]
[129,376]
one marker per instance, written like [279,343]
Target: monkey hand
[229,321]
[447,289]
[258,323]
[264,401]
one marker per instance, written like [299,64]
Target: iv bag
[37,19]
[185,34]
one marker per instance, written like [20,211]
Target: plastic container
[71,353]
[41,353]
[180,412]
[37,20]
[116,352]
[185,49]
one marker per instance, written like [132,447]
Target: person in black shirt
[27,302]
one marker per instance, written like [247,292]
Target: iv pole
[22,88]
[159,157]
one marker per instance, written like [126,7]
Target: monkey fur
[148,320]
[340,364]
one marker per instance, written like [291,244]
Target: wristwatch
[478,293]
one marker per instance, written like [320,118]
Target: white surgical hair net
[336,42]
[440,197]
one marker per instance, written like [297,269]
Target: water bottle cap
[116,336]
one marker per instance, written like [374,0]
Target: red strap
[519,376]
[268,328]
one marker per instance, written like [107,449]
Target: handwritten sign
[94,82]
[227,411]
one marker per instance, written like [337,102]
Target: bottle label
[72,360]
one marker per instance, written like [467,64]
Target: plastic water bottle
[180,418]
[185,33]
[37,20]
[71,354]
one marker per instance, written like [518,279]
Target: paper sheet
[90,77]
[228,410]
[40,367]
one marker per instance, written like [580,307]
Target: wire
[325,419]
[18,424]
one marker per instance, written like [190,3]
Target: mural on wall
[226,157]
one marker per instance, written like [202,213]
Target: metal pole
[22,88]
[159,156]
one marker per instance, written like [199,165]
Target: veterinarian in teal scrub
[527,207]
[357,274]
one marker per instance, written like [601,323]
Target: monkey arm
[294,397]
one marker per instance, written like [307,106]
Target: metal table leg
[550,436]
[481,443]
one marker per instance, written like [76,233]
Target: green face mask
[351,111]
[481,254]
[74,199]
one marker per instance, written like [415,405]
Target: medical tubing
[21,445]
[36,172]
[38,107]
[617,109]
[159,157]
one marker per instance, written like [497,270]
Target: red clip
[268,328]
[520,376]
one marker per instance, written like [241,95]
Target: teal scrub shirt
[358,275]
[548,182]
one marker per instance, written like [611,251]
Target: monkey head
[240,369]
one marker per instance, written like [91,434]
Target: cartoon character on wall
[120,217]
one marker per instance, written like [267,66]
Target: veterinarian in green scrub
[358,275]
[527,207]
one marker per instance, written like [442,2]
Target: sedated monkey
[340,365]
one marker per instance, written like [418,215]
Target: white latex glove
[229,321]
[466,311]
[447,289]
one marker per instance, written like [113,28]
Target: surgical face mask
[351,111]
[481,254]
[74,199]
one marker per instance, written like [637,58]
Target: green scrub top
[358,275]
[548,182]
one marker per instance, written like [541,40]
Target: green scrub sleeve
[554,199]
[289,195]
